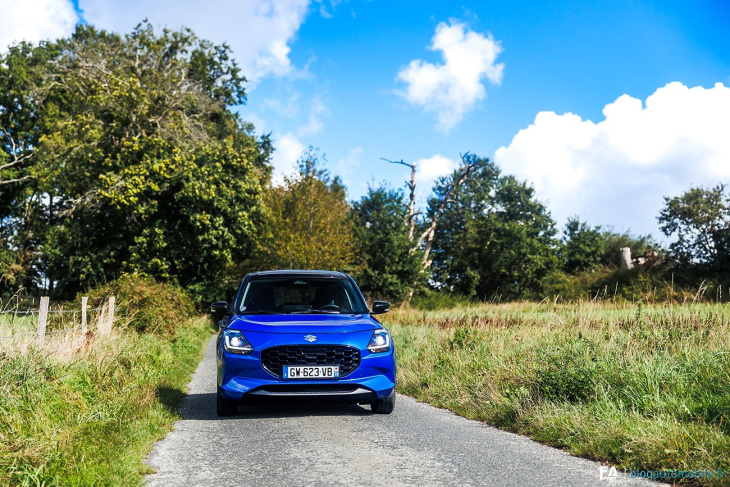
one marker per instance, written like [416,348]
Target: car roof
[299,272]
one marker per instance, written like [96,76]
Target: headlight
[379,342]
[235,342]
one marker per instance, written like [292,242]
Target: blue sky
[605,107]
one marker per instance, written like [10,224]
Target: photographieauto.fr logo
[610,474]
[607,473]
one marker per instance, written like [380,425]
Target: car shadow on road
[203,407]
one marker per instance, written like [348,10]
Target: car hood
[304,323]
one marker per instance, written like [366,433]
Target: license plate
[312,372]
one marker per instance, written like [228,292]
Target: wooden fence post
[84,303]
[101,320]
[110,315]
[42,318]
[626,262]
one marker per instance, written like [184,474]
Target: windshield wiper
[259,312]
[313,311]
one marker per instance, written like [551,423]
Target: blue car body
[304,336]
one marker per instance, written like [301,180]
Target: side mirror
[380,307]
[219,308]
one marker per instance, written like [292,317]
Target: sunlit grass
[90,418]
[635,385]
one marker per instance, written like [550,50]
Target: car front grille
[275,358]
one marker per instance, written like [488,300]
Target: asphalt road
[292,445]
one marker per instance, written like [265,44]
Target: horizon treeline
[121,154]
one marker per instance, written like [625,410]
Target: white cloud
[258,31]
[617,171]
[346,165]
[317,112]
[35,20]
[453,88]
[323,8]
[258,122]
[285,109]
[429,170]
[284,160]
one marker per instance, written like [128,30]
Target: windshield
[291,295]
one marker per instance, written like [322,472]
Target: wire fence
[103,317]
[14,312]
[35,312]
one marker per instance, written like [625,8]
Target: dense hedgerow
[147,306]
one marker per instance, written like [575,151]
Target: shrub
[566,376]
[431,299]
[146,305]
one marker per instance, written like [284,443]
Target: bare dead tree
[411,197]
[428,235]
[426,239]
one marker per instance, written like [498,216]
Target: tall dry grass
[638,386]
[85,410]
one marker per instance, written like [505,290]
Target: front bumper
[311,392]
[243,378]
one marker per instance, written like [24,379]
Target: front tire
[225,407]
[383,406]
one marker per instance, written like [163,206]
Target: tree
[22,70]
[411,185]
[612,242]
[381,228]
[140,166]
[582,246]
[307,223]
[495,238]
[422,242]
[700,218]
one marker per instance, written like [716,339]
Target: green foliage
[433,299]
[586,248]
[145,169]
[120,154]
[700,218]
[613,242]
[655,284]
[582,246]
[389,269]
[307,223]
[22,222]
[494,240]
[566,374]
[147,306]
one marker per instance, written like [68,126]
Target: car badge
[310,338]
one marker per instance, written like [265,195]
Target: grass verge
[90,419]
[641,387]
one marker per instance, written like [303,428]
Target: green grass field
[90,417]
[636,386]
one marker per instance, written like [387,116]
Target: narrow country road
[293,445]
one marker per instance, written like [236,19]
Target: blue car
[303,335]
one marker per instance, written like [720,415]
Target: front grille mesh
[275,358]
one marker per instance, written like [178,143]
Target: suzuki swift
[303,335]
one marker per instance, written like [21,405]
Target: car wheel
[383,406]
[226,407]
